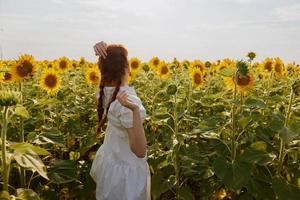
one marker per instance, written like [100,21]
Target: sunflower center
[134,65]
[63,64]
[164,70]
[94,77]
[156,62]
[197,79]
[199,67]
[51,81]
[243,80]
[268,66]
[7,76]
[278,68]
[25,69]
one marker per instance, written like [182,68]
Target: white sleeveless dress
[119,174]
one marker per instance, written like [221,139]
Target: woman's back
[118,172]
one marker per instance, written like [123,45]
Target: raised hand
[122,97]
[100,49]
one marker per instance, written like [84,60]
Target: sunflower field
[227,129]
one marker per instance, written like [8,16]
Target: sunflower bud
[251,55]
[207,64]
[150,76]
[242,68]
[8,98]
[172,89]
[146,68]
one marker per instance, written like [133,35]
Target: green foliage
[202,144]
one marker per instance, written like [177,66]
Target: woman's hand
[100,49]
[123,99]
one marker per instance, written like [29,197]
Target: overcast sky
[186,29]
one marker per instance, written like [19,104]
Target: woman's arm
[136,134]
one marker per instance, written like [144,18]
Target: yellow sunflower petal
[163,70]
[135,66]
[50,81]
[154,62]
[93,75]
[24,68]
[197,78]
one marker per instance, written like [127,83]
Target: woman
[120,167]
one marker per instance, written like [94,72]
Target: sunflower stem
[190,91]
[5,166]
[267,91]
[233,138]
[241,101]
[22,138]
[176,159]
[282,142]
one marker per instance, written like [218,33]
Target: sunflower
[74,63]
[7,77]
[135,66]
[224,64]
[163,70]
[50,81]
[213,69]
[185,63]
[198,64]
[93,75]
[82,61]
[49,64]
[130,79]
[176,62]
[197,78]
[1,64]
[279,67]
[154,62]
[24,68]
[293,69]
[244,82]
[63,64]
[267,66]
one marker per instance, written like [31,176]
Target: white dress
[119,174]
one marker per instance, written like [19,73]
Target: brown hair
[112,69]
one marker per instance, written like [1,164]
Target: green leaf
[24,147]
[258,157]
[4,195]
[234,175]
[50,135]
[27,194]
[293,131]
[32,161]
[259,146]
[244,121]
[284,190]
[62,171]
[277,122]
[254,103]
[158,185]
[185,193]
[21,111]
[260,188]
[228,71]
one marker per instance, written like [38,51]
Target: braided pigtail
[100,108]
[117,89]
[113,69]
